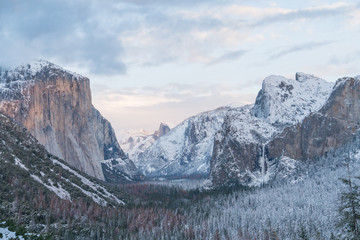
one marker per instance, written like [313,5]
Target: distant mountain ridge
[55,106]
[185,150]
[135,142]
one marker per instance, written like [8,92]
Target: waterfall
[263,162]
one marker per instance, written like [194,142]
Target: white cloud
[354,18]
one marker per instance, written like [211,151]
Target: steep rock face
[135,142]
[331,127]
[55,106]
[240,155]
[186,149]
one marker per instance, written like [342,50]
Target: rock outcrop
[55,106]
[163,129]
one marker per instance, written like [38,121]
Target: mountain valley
[259,171]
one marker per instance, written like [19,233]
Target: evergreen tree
[350,208]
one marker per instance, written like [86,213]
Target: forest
[319,200]
[306,207]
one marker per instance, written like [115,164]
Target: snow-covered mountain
[186,149]
[239,148]
[227,134]
[135,142]
[55,105]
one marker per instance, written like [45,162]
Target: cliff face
[332,126]
[55,106]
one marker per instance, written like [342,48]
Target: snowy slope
[186,149]
[131,137]
[29,160]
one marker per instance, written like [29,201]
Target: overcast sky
[152,61]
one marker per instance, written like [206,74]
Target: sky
[152,61]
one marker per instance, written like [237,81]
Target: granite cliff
[55,106]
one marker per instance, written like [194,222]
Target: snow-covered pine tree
[350,208]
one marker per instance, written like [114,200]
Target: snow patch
[19,163]
[58,190]
[7,234]
[96,187]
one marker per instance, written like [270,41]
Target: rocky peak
[287,101]
[303,77]
[55,106]
[163,129]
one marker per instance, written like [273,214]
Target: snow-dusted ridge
[99,194]
[59,191]
[239,153]
[27,71]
